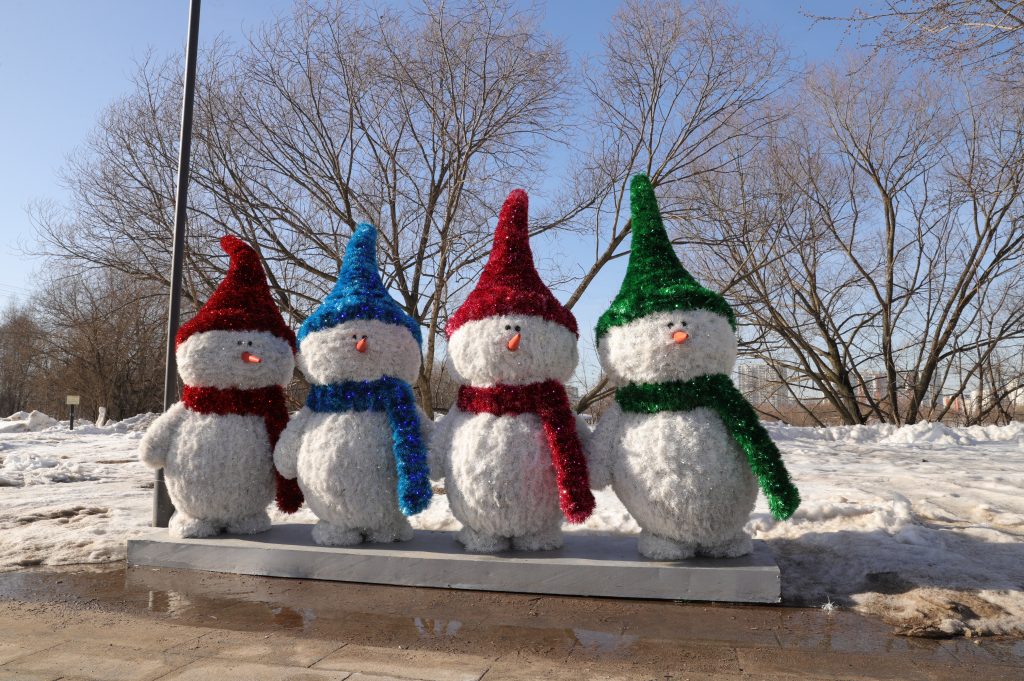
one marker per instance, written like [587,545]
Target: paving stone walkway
[183,626]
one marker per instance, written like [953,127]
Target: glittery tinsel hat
[242,302]
[359,292]
[655,279]
[509,284]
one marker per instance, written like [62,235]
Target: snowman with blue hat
[359,446]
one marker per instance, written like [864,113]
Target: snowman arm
[286,452]
[586,437]
[156,443]
[440,442]
[762,454]
[426,425]
[599,451]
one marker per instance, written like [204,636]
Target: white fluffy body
[679,474]
[219,468]
[498,472]
[346,469]
[345,462]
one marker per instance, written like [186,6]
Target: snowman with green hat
[681,447]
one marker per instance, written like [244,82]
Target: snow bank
[922,526]
[22,422]
[887,434]
[69,496]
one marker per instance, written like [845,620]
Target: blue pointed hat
[359,293]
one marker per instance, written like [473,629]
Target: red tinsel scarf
[268,402]
[548,401]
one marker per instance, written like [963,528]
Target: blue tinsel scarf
[393,397]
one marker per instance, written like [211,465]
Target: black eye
[364,337]
[354,336]
[670,325]
[683,323]
[508,327]
[517,328]
[239,342]
[250,343]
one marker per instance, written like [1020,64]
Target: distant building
[761,384]
[876,386]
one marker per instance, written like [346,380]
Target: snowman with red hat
[510,448]
[216,445]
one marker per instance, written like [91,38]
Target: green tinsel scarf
[717,392]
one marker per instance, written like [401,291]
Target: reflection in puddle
[603,641]
[436,628]
[169,602]
[473,622]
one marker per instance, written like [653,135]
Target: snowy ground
[922,526]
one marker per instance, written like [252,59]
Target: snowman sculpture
[216,444]
[359,446]
[509,449]
[682,448]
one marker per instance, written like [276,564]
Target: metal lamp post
[162,506]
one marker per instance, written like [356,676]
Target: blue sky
[62,61]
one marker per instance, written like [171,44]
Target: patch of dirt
[62,515]
[929,612]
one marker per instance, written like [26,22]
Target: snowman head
[359,332]
[668,346]
[359,350]
[663,325]
[238,339]
[513,350]
[512,329]
[235,359]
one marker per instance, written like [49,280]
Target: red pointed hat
[242,302]
[509,284]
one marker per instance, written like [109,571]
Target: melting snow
[921,525]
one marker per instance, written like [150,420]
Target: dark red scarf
[548,401]
[267,402]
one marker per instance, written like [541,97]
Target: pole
[162,506]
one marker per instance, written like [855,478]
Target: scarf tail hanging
[268,403]
[717,392]
[414,490]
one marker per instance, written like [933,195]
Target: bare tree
[22,359]
[103,338]
[417,122]
[677,94]
[875,243]
[981,34]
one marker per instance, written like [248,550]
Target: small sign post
[72,401]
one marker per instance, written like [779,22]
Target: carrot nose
[361,344]
[250,358]
[513,343]
[680,337]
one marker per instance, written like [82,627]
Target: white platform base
[588,565]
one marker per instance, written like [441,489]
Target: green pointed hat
[655,279]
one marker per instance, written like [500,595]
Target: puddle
[484,623]
[438,628]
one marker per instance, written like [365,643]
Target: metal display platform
[588,565]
